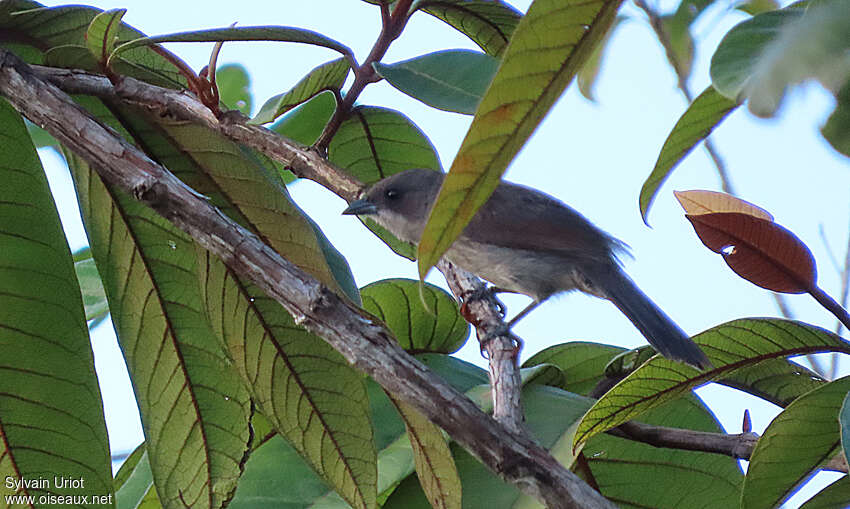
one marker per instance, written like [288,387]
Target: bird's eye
[391,194]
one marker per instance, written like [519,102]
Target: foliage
[240,404]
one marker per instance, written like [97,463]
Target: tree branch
[351,331]
[307,163]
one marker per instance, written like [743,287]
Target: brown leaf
[758,250]
[706,202]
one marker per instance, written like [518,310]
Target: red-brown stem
[365,74]
[829,303]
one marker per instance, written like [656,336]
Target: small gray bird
[525,241]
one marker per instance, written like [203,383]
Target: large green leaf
[451,80]
[742,48]
[439,328]
[701,117]
[582,363]
[305,388]
[550,417]
[328,76]
[309,392]
[814,46]
[51,413]
[550,44]
[779,381]
[45,28]
[800,438]
[435,466]
[374,143]
[730,346]
[489,23]
[634,474]
[275,467]
[193,406]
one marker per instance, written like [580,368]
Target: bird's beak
[361,206]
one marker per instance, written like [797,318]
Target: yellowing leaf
[758,250]
[699,202]
[550,44]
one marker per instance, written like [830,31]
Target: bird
[525,241]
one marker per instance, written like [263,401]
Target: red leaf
[758,250]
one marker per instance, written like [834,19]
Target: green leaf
[550,44]
[550,417]
[276,467]
[812,47]
[397,302]
[128,466]
[836,130]
[435,466]
[103,32]
[44,29]
[374,143]
[194,407]
[542,374]
[136,479]
[450,80]
[730,346]
[742,48]
[234,87]
[328,76]
[489,23]
[635,474]
[249,33]
[836,494]
[698,121]
[582,363]
[91,287]
[799,439]
[309,392]
[305,123]
[779,381]
[51,412]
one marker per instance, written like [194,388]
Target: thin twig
[392,25]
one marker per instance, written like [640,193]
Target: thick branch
[351,331]
[307,163]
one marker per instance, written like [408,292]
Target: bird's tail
[661,332]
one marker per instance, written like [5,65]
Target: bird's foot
[482,292]
[503,331]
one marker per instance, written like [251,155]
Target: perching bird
[525,241]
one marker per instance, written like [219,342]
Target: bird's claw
[502,331]
[482,292]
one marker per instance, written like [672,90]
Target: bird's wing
[514,218]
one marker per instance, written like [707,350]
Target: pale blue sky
[593,156]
